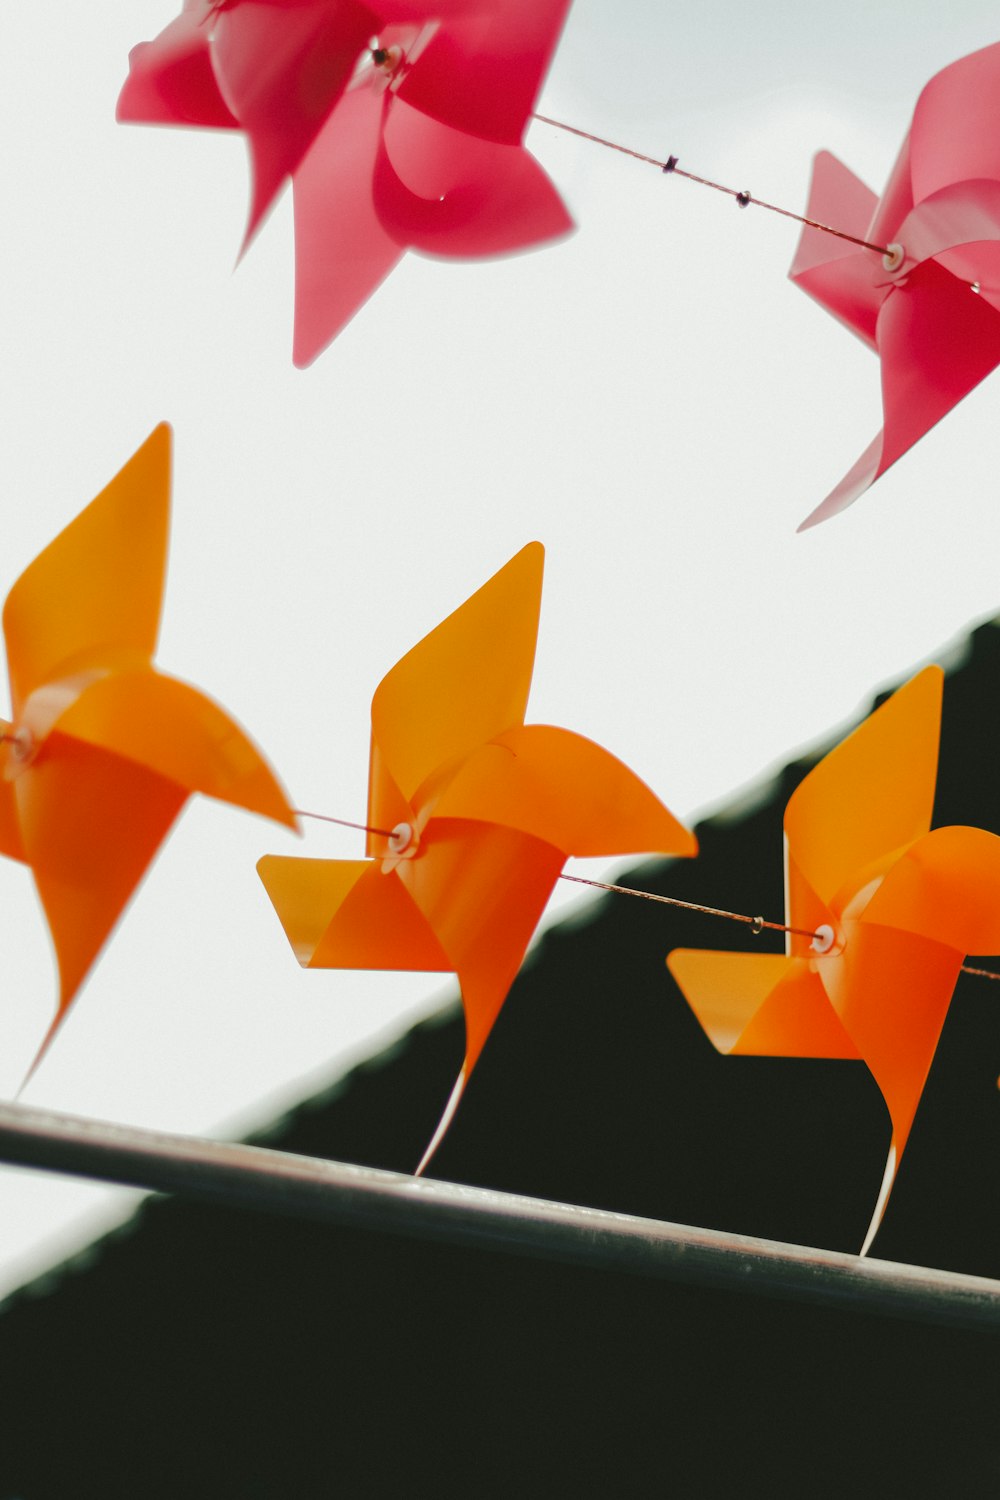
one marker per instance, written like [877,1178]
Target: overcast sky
[651,398]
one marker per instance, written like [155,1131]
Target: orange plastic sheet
[104,750]
[478,813]
[895,908]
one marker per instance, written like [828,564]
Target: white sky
[651,399]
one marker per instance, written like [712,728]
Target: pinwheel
[400,126]
[104,750]
[886,911]
[930,307]
[477,812]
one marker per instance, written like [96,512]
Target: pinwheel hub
[894,256]
[824,939]
[403,839]
[23,749]
[387,60]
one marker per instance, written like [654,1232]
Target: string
[299,812]
[756,924]
[743,198]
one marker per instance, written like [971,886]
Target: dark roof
[217,1353]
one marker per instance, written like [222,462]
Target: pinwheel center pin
[894,256]
[824,939]
[23,749]
[403,839]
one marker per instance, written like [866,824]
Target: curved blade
[482,890]
[448,193]
[895,202]
[840,276]
[759,1004]
[91,822]
[173,729]
[873,793]
[282,69]
[94,594]
[891,990]
[484,67]
[342,252]
[345,914]
[562,788]
[466,682]
[955,124]
[853,485]
[964,216]
[946,886]
[170,79]
[937,341]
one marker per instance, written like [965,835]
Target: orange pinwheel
[888,909]
[479,812]
[104,750]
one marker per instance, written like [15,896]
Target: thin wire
[300,812]
[744,199]
[757,923]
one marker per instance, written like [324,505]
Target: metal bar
[366,1198]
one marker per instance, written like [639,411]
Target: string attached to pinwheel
[820,940]
[471,816]
[899,907]
[104,749]
[400,128]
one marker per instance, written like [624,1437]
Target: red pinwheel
[400,128]
[930,308]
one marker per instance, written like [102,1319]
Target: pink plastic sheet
[931,311]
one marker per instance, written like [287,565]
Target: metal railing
[388,1202]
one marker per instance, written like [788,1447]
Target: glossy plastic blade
[955,124]
[947,887]
[91,823]
[484,67]
[482,890]
[467,681]
[560,787]
[94,594]
[759,1004]
[873,793]
[176,731]
[342,251]
[937,340]
[281,69]
[171,80]
[840,276]
[347,914]
[447,193]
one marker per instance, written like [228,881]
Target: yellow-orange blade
[465,682]
[947,887]
[564,789]
[759,1004]
[345,914]
[94,595]
[481,889]
[873,793]
[91,823]
[174,730]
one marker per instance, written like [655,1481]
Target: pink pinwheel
[930,308]
[400,128]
